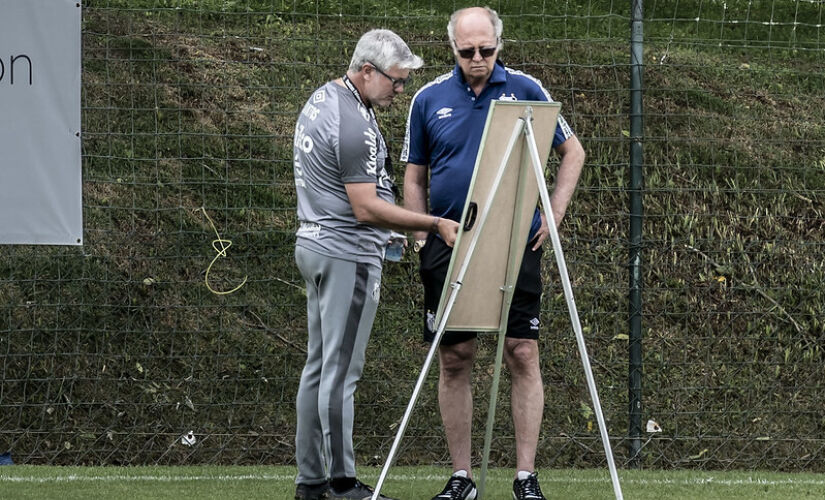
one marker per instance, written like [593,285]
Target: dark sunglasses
[396,82]
[471,52]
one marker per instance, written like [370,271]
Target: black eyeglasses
[396,82]
[471,52]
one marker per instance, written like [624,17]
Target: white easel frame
[523,129]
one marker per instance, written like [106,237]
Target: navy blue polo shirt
[444,131]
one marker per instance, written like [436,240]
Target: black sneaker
[311,491]
[358,492]
[527,489]
[458,488]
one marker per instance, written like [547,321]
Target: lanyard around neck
[387,162]
[351,87]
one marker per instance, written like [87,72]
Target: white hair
[498,26]
[385,49]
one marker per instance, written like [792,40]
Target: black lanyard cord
[388,163]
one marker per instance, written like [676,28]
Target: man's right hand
[448,229]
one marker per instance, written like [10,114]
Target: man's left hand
[541,234]
[544,230]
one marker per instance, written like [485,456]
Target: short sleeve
[358,149]
[416,145]
[563,130]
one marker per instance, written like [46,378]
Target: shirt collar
[499,74]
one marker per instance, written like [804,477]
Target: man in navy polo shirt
[444,129]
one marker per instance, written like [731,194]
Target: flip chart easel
[507,181]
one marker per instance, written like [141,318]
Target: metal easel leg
[491,412]
[419,383]
[516,249]
[574,315]
[518,130]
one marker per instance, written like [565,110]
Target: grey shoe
[458,488]
[312,491]
[358,492]
[527,489]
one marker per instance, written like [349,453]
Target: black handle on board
[472,211]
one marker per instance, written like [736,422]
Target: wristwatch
[418,245]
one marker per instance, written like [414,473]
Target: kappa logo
[534,324]
[319,96]
[505,97]
[444,113]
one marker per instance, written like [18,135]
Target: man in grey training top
[345,210]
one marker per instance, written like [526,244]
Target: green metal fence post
[635,257]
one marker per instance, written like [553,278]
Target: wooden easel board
[478,306]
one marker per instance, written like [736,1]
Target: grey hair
[494,20]
[385,49]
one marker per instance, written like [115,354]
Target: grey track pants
[342,298]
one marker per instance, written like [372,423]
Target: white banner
[40,168]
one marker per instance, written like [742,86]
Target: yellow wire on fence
[221,252]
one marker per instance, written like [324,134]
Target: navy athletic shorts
[523,321]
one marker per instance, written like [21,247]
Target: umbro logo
[319,96]
[444,113]
[534,324]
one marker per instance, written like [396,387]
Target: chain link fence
[114,352]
